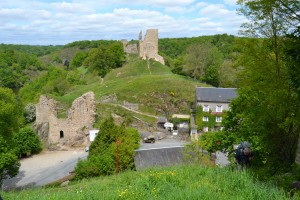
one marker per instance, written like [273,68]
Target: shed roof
[224,95]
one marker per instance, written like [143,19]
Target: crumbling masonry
[145,49]
[72,131]
[149,47]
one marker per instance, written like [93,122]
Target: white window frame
[218,119]
[205,108]
[205,118]
[219,108]
[205,129]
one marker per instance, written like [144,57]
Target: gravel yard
[44,168]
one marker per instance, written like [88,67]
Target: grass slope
[180,182]
[152,85]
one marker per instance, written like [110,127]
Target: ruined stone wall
[129,48]
[149,47]
[74,130]
[45,109]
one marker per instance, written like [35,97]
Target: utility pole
[117,155]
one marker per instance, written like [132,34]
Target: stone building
[68,132]
[214,101]
[129,48]
[148,48]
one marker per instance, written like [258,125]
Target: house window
[219,108]
[205,129]
[218,119]
[205,119]
[206,108]
[61,134]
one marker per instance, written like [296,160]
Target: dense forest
[264,64]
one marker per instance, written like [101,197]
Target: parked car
[149,139]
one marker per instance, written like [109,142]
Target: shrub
[27,142]
[30,112]
[102,155]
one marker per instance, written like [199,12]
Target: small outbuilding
[93,134]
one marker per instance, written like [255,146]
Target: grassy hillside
[148,83]
[181,182]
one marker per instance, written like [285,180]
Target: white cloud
[71,7]
[60,22]
[201,4]
[215,10]
[230,2]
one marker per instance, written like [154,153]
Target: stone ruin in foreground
[147,48]
[72,131]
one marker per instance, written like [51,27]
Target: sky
[56,22]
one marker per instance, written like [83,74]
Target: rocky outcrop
[72,131]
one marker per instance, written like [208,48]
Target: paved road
[47,167]
[165,143]
[44,168]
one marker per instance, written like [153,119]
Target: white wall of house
[213,106]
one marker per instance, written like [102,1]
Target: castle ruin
[69,132]
[148,48]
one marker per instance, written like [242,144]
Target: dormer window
[206,108]
[219,108]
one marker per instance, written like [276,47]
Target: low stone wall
[146,158]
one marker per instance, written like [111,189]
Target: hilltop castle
[147,48]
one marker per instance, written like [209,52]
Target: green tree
[27,142]
[266,112]
[10,120]
[202,61]
[228,74]
[78,59]
[102,156]
[9,163]
[105,58]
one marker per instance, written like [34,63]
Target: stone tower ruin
[69,132]
[148,48]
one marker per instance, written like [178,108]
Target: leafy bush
[78,59]
[102,156]
[27,142]
[105,58]
[9,164]
[10,120]
[30,112]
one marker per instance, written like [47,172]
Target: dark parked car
[149,139]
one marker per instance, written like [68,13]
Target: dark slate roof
[224,95]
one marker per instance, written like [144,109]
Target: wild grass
[178,182]
[136,83]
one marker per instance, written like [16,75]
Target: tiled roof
[206,94]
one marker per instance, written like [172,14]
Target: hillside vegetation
[148,83]
[181,182]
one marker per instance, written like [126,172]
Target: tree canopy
[10,120]
[267,110]
[102,152]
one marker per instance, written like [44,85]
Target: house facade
[210,106]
